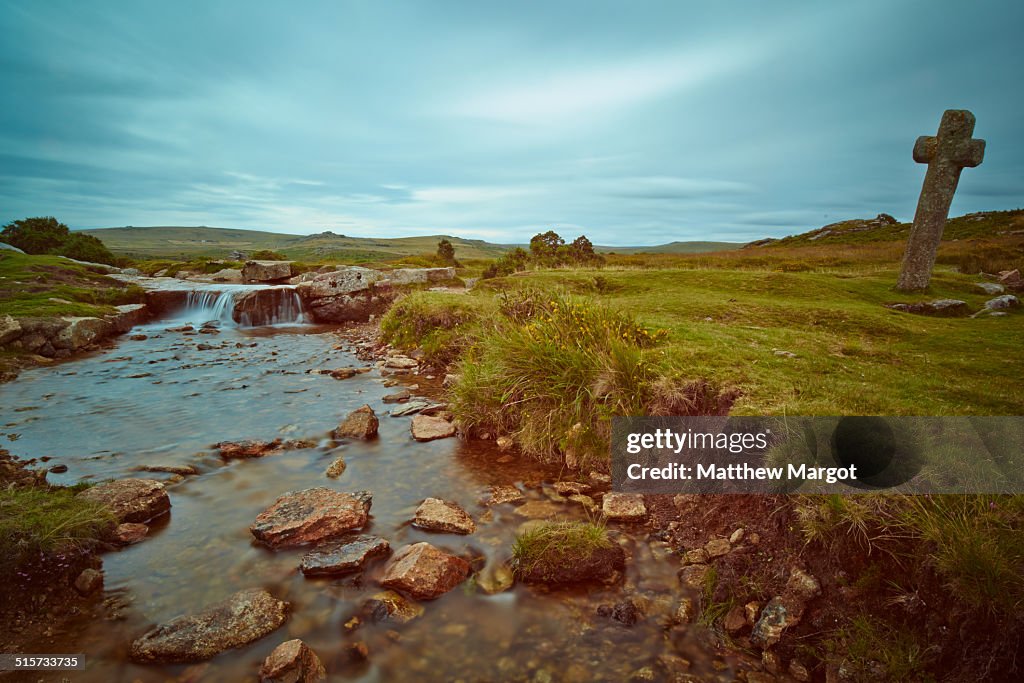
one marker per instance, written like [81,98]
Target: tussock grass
[554,544]
[443,325]
[45,520]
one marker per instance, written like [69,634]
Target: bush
[49,236]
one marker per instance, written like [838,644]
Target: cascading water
[242,306]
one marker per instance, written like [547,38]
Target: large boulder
[414,276]
[242,618]
[292,662]
[343,557]
[130,500]
[439,515]
[80,332]
[310,516]
[344,295]
[424,572]
[266,271]
[361,423]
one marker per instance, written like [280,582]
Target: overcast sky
[632,122]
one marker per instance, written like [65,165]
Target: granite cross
[946,154]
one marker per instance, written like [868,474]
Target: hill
[202,241]
[885,228]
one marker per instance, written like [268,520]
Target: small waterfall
[242,307]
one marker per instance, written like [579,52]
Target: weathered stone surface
[990,287]
[571,488]
[310,516]
[412,276]
[498,495]
[539,509]
[943,308]
[10,329]
[1010,278]
[1002,303]
[946,154]
[128,316]
[624,507]
[602,565]
[183,470]
[130,533]
[428,428]
[417,406]
[242,618]
[389,605]
[80,332]
[230,275]
[694,575]
[735,619]
[292,662]
[343,557]
[424,572]
[89,581]
[131,500]
[344,295]
[267,306]
[495,578]
[232,450]
[336,468]
[266,271]
[435,514]
[696,556]
[398,396]
[361,423]
[401,363]
[786,610]
[717,547]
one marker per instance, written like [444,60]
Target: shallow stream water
[165,401]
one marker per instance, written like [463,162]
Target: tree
[581,250]
[35,235]
[544,247]
[446,253]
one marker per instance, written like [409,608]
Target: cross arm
[924,149]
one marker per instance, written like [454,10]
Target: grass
[51,286]
[35,521]
[443,325]
[554,544]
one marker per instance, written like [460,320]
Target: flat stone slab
[429,428]
[310,516]
[131,500]
[435,514]
[424,572]
[416,406]
[240,619]
[343,557]
[624,507]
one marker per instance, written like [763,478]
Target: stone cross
[946,154]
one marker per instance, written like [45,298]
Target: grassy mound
[53,286]
[564,552]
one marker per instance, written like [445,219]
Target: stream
[167,398]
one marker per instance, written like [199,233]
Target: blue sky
[632,122]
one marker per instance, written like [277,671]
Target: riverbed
[167,398]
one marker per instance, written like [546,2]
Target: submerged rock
[130,533]
[343,557]
[498,495]
[389,605]
[429,428]
[230,450]
[624,612]
[435,514]
[131,500]
[246,616]
[361,423]
[292,662]
[336,468]
[424,572]
[309,516]
[495,578]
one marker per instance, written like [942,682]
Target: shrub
[49,236]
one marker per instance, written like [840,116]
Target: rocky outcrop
[292,662]
[266,271]
[229,275]
[130,500]
[266,306]
[345,295]
[59,337]
[244,617]
[318,514]
[435,514]
[416,276]
[361,423]
[424,572]
[343,557]
[429,428]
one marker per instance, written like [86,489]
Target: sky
[635,123]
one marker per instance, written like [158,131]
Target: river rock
[266,271]
[495,578]
[89,581]
[389,605]
[435,514]
[424,572]
[624,612]
[128,316]
[310,516]
[131,500]
[344,295]
[397,397]
[401,363]
[498,495]
[252,448]
[242,618]
[539,509]
[130,533]
[428,428]
[361,423]
[336,468]
[624,507]
[292,662]
[571,488]
[343,557]
[80,332]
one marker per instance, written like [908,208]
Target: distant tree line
[47,235]
[547,250]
